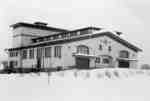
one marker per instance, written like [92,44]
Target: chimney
[118,33]
[41,23]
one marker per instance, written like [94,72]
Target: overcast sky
[129,16]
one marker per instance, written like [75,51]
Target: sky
[128,16]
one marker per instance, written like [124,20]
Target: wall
[68,48]
[22,40]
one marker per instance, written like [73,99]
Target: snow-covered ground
[74,85]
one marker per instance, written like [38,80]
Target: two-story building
[39,46]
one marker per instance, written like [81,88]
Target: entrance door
[124,64]
[82,63]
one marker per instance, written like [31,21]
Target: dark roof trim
[109,34]
[81,29]
[37,26]
[27,35]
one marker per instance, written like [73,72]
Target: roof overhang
[126,59]
[19,24]
[82,37]
[83,55]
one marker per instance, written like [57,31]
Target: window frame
[24,54]
[82,49]
[47,52]
[58,51]
[31,53]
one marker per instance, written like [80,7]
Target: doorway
[82,63]
[124,64]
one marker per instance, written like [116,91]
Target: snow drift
[75,85]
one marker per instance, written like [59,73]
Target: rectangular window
[84,32]
[39,52]
[13,54]
[24,54]
[31,53]
[98,60]
[100,47]
[48,52]
[15,63]
[57,51]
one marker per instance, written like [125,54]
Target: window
[15,63]
[64,35]
[48,52]
[98,60]
[100,47]
[124,54]
[13,54]
[73,34]
[84,32]
[39,52]
[83,49]
[57,51]
[109,48]
[56,37]
[31,53]
[106,61]
[24,54]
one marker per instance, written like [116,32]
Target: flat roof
[38,26]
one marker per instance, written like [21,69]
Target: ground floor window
[31,53]
[48,52]
[124,64]
[98,60]
[106,61]
[57,51]
[24,54]
[39,52]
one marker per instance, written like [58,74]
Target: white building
[40,46]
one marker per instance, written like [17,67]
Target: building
[39,46]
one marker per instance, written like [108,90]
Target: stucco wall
[26,40]
[68,48]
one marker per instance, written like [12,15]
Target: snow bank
[75,85]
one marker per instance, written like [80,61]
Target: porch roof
[127,59]
[84,55]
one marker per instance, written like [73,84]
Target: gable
[123,42]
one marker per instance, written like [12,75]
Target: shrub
[145,66]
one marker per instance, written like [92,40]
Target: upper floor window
[13,54]
[83,49]
[31,53]
[109,48]
[57,51]
[24,54]
[100,47]
[124,54]
[84,32]
[48,52]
